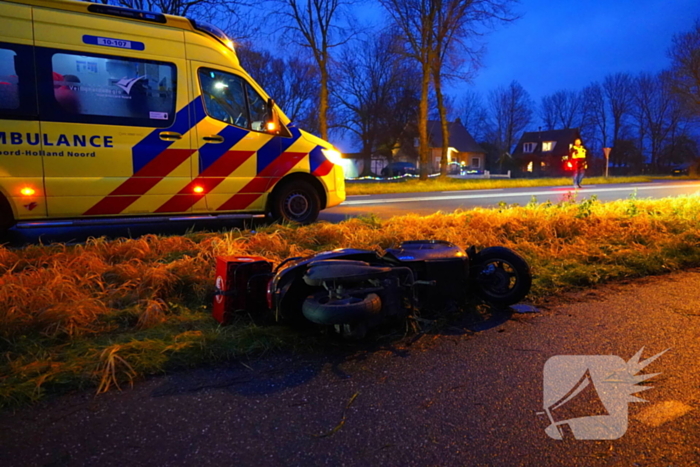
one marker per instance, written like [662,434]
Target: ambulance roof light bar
[127,13]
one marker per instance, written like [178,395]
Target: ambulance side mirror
[272,125]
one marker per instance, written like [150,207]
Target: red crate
[241,284]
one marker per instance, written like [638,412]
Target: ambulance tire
[7,219]
[295,201]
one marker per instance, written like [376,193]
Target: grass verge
[413,185]
[104,313]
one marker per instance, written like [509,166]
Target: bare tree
[379,92]
[604,111]
[561,110]
[548,113]
[415,20]
[685,67]
[314,25]
[170,7]
[618,92]
[511,112]
[457,25]
[628,155]
[595,112]
[679,149]
[439,34]
[292,82]
[657,112]
[473,115]
[232,16]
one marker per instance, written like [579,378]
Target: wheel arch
[299,176]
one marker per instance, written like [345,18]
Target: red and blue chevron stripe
[152,161]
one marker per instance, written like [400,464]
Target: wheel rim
[297,205]
[498,278]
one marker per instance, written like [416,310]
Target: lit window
[529,167]
[548,146]
[529,147]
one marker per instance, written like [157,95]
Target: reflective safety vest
[578,152]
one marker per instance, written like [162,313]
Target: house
[461,147]
[541,152]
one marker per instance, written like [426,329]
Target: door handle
[169,136]
[213,139]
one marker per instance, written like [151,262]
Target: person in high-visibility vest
[577,158]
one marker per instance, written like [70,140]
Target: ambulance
[109,114]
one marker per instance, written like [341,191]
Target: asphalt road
[384,206]
[455,398]
[389,205]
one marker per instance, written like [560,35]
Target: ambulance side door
[21,171]
[114,114]
[231,141]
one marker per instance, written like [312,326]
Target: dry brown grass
[414,185]
[63,291]
[107,311]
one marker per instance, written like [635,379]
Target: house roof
[460,139]
[561,138]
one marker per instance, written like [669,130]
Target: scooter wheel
[502,277]
[320,309]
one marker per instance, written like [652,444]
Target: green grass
[411,185]
[106,313]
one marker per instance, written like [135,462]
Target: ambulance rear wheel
[296,201]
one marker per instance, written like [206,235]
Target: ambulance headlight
[334,156]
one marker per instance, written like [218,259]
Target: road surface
[455,398]
[389,205]
[384,206]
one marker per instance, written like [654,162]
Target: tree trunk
[437,81]
[366,159]
[423,146]
[323,101]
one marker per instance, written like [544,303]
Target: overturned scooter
[352,290]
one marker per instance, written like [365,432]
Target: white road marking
[413,199]
[474,191]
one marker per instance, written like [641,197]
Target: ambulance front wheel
[296,201]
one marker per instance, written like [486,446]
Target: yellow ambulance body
[109,113]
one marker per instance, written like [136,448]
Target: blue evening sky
[558,45]
[568,44]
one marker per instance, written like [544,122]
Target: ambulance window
[17,87]
[224,97]
[9,89]
[258,109]
[106,89]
